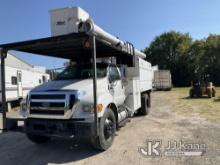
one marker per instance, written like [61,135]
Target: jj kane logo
[154,148]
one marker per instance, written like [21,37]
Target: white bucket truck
[66,106]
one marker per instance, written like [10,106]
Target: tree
[170,51]
[195,54]
[205,58]
[211,58]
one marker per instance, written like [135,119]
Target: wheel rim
[108,128]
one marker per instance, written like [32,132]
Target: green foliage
[169,51]
[186,59]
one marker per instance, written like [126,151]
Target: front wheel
[107,128]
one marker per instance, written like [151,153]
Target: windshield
[82,71]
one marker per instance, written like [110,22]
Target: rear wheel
[213,92]
[38,138]
[191,93]
[107,128]
[210,93]
[145,104]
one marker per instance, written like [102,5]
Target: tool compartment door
[133,100]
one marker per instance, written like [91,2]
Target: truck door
[19,77]
[115,85]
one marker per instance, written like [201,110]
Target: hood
[81,85]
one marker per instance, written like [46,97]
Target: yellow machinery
[199,89]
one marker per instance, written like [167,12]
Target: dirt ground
[173,117]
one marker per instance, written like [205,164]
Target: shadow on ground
[194,98]
[18,150]
[217,99]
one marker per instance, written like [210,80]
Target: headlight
[80,94]
[24,107]
[90,108]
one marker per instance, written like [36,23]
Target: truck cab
[76,84]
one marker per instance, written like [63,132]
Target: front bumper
[57,127]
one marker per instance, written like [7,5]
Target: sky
[136,21]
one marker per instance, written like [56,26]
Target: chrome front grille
[50,103]
[46,112]
[48,96]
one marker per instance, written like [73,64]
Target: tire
[38,139]
[210,93]
[145,105]
[107,129]
[213,92]
[191,93]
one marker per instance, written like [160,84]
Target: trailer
[89,99]
[17,78]
[162,80]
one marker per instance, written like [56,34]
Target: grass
[204,107]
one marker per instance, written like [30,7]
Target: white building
[21,77]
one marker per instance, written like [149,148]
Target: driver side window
[113,74]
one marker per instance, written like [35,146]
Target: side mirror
[111,79]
